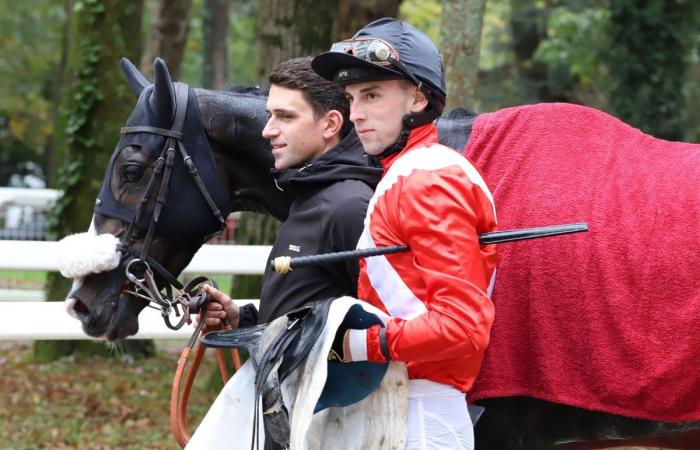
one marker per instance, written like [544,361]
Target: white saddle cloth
[377,422]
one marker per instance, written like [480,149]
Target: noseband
[140,267]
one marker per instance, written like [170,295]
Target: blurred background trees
[637,59]
[62,98]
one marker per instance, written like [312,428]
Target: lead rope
[178,401]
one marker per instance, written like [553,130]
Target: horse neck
[233,122]
[454,129]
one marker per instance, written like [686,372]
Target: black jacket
[327,214]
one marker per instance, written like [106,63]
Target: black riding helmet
[389,49]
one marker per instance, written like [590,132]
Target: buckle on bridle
[131,276]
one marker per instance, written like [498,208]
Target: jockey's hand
[221,307]
[340,350]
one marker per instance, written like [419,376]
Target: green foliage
[636,59]
[690,118]
[192,59]
[314,35]
[577,46]
[241,46]
[649,60]
[241,35]
[30,40]
[495,39]
[423,14]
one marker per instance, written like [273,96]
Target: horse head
[186,159]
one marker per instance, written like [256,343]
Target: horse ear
[137,82]
[163,98]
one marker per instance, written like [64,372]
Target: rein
[141,269]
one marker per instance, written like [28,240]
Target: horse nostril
[80,308]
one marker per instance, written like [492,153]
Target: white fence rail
[238,259]
[40,199]
[23,212]
[49,320]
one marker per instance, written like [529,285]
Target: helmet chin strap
[413,120]
[396,146]
[410,121]
[435,105]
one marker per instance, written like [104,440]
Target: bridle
[140,268]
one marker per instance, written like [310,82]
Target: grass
[89,402]
[22,279]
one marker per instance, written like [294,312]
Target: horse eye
[133,172]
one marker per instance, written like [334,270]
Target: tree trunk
[355,14]
[169,28]
[217,16]
[290,29]
[99,103]
[58,90]
[460,38]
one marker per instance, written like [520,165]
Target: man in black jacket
[318,160]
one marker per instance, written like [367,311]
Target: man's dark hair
[322,95]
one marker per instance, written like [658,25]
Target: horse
[520,412]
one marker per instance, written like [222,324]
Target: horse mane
[455,128]
[460,113]
[256,91]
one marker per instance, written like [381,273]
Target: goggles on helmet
[383,54]
[371,50]
[376,51]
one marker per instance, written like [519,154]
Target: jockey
[432,199]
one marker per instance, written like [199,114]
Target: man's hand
[222,307]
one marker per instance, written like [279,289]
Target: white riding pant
[437,418]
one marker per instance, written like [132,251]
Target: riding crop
[284,264]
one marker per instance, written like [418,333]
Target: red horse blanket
[607,320]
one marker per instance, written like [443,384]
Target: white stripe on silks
[398,299]
[492,283]
[434,157]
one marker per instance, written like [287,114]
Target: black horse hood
[345,161]
[186,216]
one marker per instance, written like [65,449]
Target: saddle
[278,348]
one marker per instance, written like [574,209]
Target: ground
[94,403]
[85,402]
